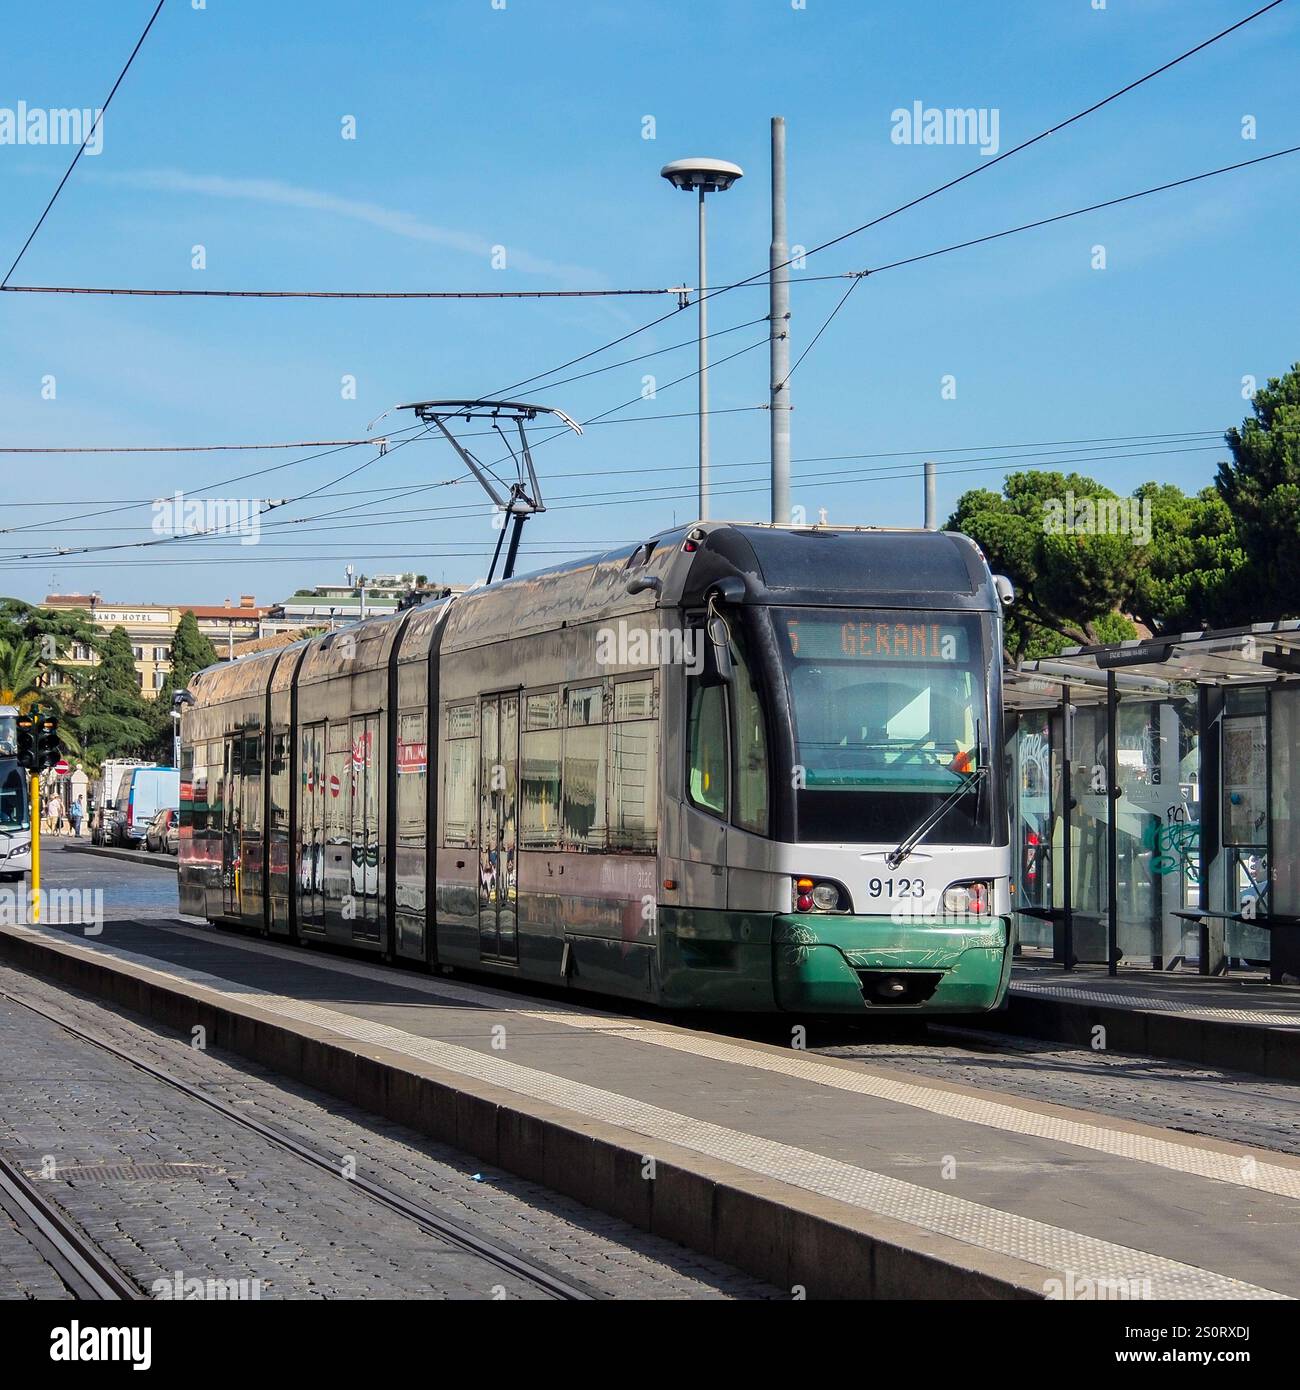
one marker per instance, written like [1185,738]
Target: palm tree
[20,672]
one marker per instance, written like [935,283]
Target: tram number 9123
[896,888]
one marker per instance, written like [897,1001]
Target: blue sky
[523,127]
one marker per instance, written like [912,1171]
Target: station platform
[834,1178]
[1243,1023]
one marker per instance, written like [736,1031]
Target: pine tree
[1261,487]
[115,720]
[191,652]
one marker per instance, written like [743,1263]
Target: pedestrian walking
[56,814]
[76,814]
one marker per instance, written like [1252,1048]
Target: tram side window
[461,789]
[338,772]
[539,783]
[634,768]
[583,819]
[279,742]
[251,786]
[750,811]
[412,770]
[706,746]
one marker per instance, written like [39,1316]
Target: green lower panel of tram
[818,964]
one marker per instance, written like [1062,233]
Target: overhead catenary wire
[40,221]
[975,170]
[616,498]
[339,294]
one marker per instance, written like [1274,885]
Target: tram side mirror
[639,583]
[1005,589]
[717,666]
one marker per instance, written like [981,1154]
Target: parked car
[141,794]
[163,832]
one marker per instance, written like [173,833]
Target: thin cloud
[274,192]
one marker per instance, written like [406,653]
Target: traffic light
[27,742]
[48,748]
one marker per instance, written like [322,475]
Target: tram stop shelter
[1154,788]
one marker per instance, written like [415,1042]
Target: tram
[734,767]
[15,810]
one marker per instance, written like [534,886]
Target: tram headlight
[962,899]
[819,895]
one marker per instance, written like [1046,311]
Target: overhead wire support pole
[779,291]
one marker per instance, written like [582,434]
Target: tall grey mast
[779,328]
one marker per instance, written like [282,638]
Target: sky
[522,125]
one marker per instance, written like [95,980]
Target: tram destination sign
[884,637]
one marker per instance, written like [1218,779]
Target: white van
[141,793]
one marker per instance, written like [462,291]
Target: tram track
[76,1258]
[82,1267]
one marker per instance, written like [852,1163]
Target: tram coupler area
[842,964]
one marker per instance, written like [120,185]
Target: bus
[15,807]
[734,767]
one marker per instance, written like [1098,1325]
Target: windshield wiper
[895,857]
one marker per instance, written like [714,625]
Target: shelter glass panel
[1285,893]
[1090,797]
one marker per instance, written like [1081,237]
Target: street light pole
[703,176]
[704,364]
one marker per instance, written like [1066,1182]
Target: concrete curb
[778,1232]
[129,856]
[1249,1047]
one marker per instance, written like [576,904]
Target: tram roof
[796,565]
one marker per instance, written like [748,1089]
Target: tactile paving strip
[1086,994]
[1244,1169]
[1054,1248]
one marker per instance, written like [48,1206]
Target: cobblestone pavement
[248,1210]
[1233,1106]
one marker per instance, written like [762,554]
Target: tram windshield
[13,798]
[889,709]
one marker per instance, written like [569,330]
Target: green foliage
[20,671]
[1193,576]
[116,720]
[21,621]
[1261,489]
[1069,586]
[1191,572]
[191,652]
[48,635]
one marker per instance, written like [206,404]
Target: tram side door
[365,827]
[311,829]
[232,791]
[498,870]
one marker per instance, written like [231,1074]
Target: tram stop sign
[61,769]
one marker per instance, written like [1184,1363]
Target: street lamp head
[707,175]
